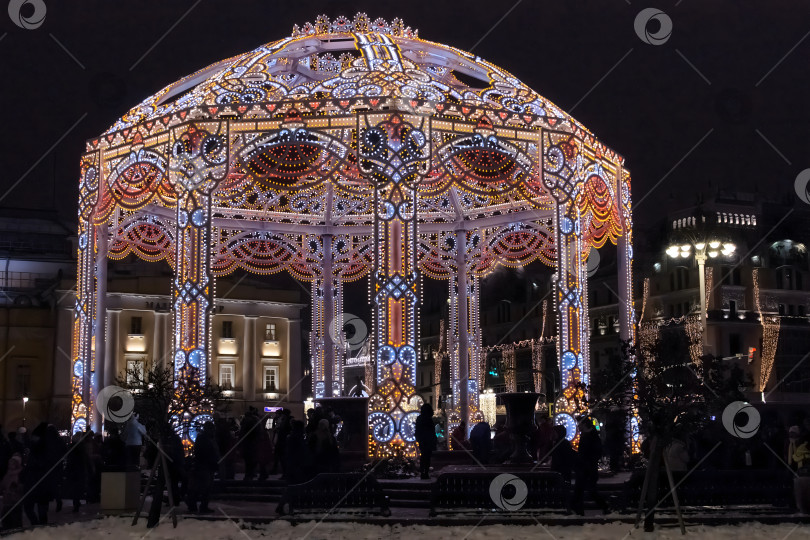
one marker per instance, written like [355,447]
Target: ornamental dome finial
[361,23]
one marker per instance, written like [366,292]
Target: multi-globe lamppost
[704,250]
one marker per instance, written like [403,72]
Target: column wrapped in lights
[327,325]
[100,319]
[82,350]
[394,154]
[199,158]
[563,175]
[465,365]
[82,344]
[627,312]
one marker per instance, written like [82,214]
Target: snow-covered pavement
[121,529]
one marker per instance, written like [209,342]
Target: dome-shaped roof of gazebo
[277,132]
[341,59]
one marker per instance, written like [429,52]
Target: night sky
[70,78]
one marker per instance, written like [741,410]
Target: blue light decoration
[565,419]
[197,424]
[79,426]
[569,361]
[635,433]
[179,359]
[407,426]
[196,358]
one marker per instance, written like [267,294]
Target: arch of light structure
[351,148]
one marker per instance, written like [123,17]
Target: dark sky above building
[722,103]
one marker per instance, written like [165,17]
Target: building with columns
[255,334]
[255,328]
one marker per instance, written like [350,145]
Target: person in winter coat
[297,457]
[426,439]
[206,463]
[56,453]
[481,441]
[323,448]
[281,430]
[133,436]
[587,468]
[113,451]
[12,490]
[36,477]
[249,432]
[78,469]
[562,454]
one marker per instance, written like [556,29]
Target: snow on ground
[121,529]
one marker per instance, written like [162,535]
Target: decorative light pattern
[709,272]
[509,368]
[770,337]
[488,402]
[358,154]
[394,154]
[438,360]
[537,353]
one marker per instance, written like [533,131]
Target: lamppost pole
[703,250]
[700,257]
[24,400]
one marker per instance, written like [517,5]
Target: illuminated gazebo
[351,148]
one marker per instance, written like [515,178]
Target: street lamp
[25,400]
[711,248]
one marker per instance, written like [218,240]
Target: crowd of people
[772,447]
[42,468]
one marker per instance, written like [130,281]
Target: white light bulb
[713,254]
[714,244]
[700,245]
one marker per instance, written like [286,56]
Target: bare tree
[159,398]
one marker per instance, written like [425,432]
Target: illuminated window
[270,332]
[226,376]
[270,378]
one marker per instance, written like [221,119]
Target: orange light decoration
[349,149]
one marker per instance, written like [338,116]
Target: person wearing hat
[206,463]
[589,452]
